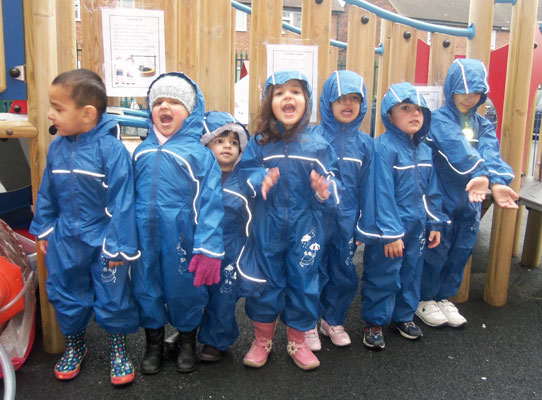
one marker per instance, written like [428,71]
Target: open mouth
[288,109]
[165,119]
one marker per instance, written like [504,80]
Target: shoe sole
[373,347]
[323,332]
[404,334]
[67,376]
[456,326]
[151,372]
[430,324]
[209,359]
[123,380]
[254,364]
[309,367]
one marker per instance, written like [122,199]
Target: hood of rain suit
[217,122]
[340,83]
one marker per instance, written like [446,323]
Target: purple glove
[206,269]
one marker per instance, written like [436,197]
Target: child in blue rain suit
[407,201]
[342,108]
[85,223]
[227,138]
[179,218]
[467,160]
[284,168]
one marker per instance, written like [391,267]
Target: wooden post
[481,14]
[232,60]
[66,43]
[532,246]
[514,121]
[382,82]
[316,22]
[188,42]
[401,60]
[215,54]
[440,58]
[41,68]
[360,53]
[265,27]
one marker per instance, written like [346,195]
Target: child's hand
[206,269]
[434,239]
[43,246]
[320,185]
[394,249]
[269,181]
[504,196]
[477,188]
[114,264]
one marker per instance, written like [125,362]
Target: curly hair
[266,123]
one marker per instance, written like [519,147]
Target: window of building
[493,45]
[240,21]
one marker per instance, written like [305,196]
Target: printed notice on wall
[295,57]
[432,96]
[134,50]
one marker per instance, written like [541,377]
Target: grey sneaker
[408,329]
[373,337]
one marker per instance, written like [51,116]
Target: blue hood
[466,75]
[340,83]
[281,77]
[193,125]
[404,93]
[216,122]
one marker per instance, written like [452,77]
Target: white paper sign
[432,96]
[134,50]
[295,57]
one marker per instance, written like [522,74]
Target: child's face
[407,117]
[288,103]
[168,115]
[346,108]
[464,102]
[226,150]
[63,112]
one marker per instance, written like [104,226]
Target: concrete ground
[497,356]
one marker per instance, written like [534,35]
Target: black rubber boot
[154,350]
[186,357]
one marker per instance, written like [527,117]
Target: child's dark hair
[266,123]
[87,88]
[227,133]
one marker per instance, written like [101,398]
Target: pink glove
[206,269]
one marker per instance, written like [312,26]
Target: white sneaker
[451,312]
[312,340]
[430,313]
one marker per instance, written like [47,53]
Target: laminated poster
[295,57]
[134,50]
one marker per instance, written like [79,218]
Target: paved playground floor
[497,356]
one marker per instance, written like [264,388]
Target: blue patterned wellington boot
[69,365]
[122,370]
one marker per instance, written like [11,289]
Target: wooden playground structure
[199,40]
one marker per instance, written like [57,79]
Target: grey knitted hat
[173,87]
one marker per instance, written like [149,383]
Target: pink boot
[303,357]
[261,346]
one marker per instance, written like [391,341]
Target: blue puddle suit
[86,212]
[457,160]
[406,200]
[219,326]
[338,276]
[179,213]
[287,233]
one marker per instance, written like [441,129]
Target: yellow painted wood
[513,129]
[360,54]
